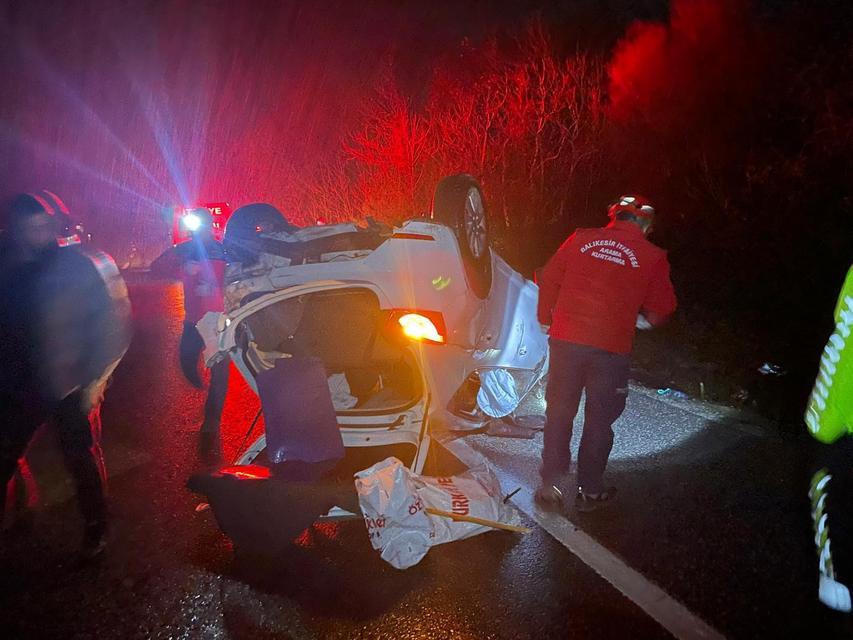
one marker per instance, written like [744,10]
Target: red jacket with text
[593,288]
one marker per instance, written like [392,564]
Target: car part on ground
[262,510]
[508,428]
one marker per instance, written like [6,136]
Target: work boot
[586,502]
[549,498]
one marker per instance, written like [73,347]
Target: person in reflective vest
[829,418]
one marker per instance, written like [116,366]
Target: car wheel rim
[475,223]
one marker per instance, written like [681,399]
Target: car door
[511,335]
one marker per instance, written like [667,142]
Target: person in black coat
[64,327]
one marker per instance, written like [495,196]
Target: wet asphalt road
[169,572]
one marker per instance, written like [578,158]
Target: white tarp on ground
[394,501]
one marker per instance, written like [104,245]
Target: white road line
[657,603]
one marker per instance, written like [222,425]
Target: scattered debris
[509,496]
[770,369]
[513,426]
[740,396]
[672,393]
[532,421]
[503,428]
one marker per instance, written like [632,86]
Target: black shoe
[549,498]
[586,502]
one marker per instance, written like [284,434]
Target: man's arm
[550,279]
[660,302]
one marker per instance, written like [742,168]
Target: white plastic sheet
[394,515]
[394,500]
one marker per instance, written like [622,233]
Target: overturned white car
[417,326]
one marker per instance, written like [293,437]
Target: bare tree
[393,148]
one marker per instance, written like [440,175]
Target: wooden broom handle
[494,524]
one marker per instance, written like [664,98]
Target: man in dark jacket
[64,327]
[599,286]
[200,265]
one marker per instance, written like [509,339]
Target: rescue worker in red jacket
[200,265]
[599,286]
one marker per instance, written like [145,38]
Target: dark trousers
[190,349]
[79,439]
[216,396]
[837,458]
[572,369]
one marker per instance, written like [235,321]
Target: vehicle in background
[185,221]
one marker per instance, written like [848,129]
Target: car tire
[458,202]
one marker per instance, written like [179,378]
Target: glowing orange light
[420,328]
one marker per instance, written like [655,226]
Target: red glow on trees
[522,118]
[392,149]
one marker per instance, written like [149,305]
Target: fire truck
[185,220]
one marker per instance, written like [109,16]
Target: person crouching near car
[599,286]
[200,265]
[64,327]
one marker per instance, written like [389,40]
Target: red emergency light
[182,226]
